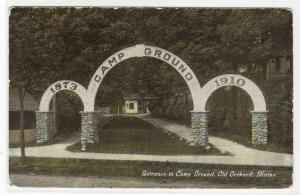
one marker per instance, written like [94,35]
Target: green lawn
[134,136]
[134,169]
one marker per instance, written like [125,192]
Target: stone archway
[44,117]
[89,120]
[142,51]
[259,114]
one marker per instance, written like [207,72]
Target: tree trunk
[265,72]
[54,109]
[21,101]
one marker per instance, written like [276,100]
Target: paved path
[250,155]
[241,155]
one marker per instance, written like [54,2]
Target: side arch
[144,51]
[60,86]
[242,82]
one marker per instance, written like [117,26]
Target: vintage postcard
[128,97]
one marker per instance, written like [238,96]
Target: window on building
[131,105]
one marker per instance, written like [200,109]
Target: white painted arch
[60,86]
[199,95]
[242,82]
[144,51]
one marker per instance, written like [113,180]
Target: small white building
[135,103]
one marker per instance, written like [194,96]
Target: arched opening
[259,113]
[144,51]
[148,78]
[46,119]
[136,51]
[123,134]
[230,114]
[66,107]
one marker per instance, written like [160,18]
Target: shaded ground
[245,168]
[246,140]
[239,137]
[60,137]
[33,180]
[183,174]
[130,135]
[241,155]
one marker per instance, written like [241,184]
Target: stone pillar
[44,127]
[259,128]
[199,128]
[89,131]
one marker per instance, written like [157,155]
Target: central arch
[144,51]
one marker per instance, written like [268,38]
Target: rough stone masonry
[45,127]
[89,131]
[259,128]
[199,128]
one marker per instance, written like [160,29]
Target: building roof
[139,97]
[30,104]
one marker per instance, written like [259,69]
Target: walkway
[241,155]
